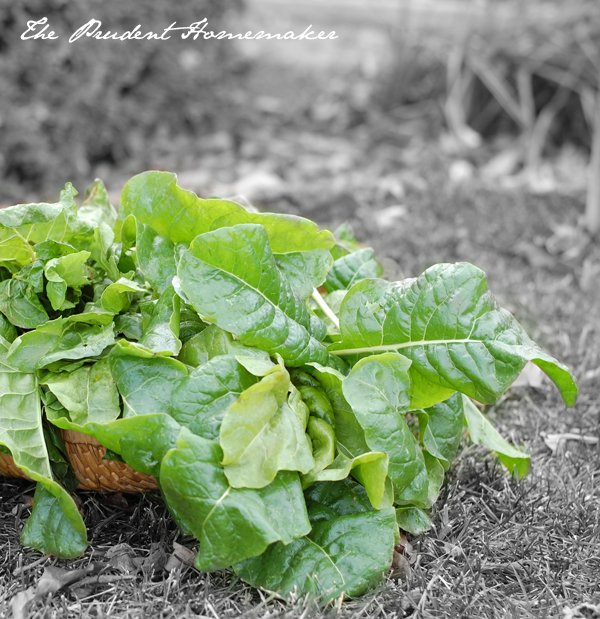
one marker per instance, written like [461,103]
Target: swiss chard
[291,433]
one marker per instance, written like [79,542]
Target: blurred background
[414,98]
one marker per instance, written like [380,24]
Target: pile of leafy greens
[296,408]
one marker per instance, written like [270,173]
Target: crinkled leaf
[318,403]
[213,341]
[25,225]
[482,432]
[32,274]
[65,272]
[261,435]
[156,257]
[88,393]
[203,397]
[161,333]
[351,268]
[231,524]
[47,250]
[63,338]
[305,270]
[231,278]
[21,305]
[96,208]
[451,327]
[377,389]
[117,296]
[130,325]
[344,555]
[101,250]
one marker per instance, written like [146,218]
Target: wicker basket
[8,468]
[93,473]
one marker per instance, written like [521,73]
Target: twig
[320,301]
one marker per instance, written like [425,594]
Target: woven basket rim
[93,472]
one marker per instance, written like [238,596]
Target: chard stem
[320,301]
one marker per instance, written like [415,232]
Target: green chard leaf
[209,343]
[261,434]
[202,398]
[156,199]
[117,297]
[327,499]
[63,338]
[145,380]
[48,250]
[231,524]
[213,341]
[413,520]
[344,555]
[441,428]
[322,438]
[161,333]
[62,273]
[101,248]
[351,268]
[451,327]
[377,389]
[482,432]
[370,469]
[156,257]
[190,324]
[88,393]
[318,403]
[96,208]
[21,305]
[350,436]
[305,270]
[231,278]
[24,225]
[7,329]
[55,526]
[130,325]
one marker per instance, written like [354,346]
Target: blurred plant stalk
[592,207]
